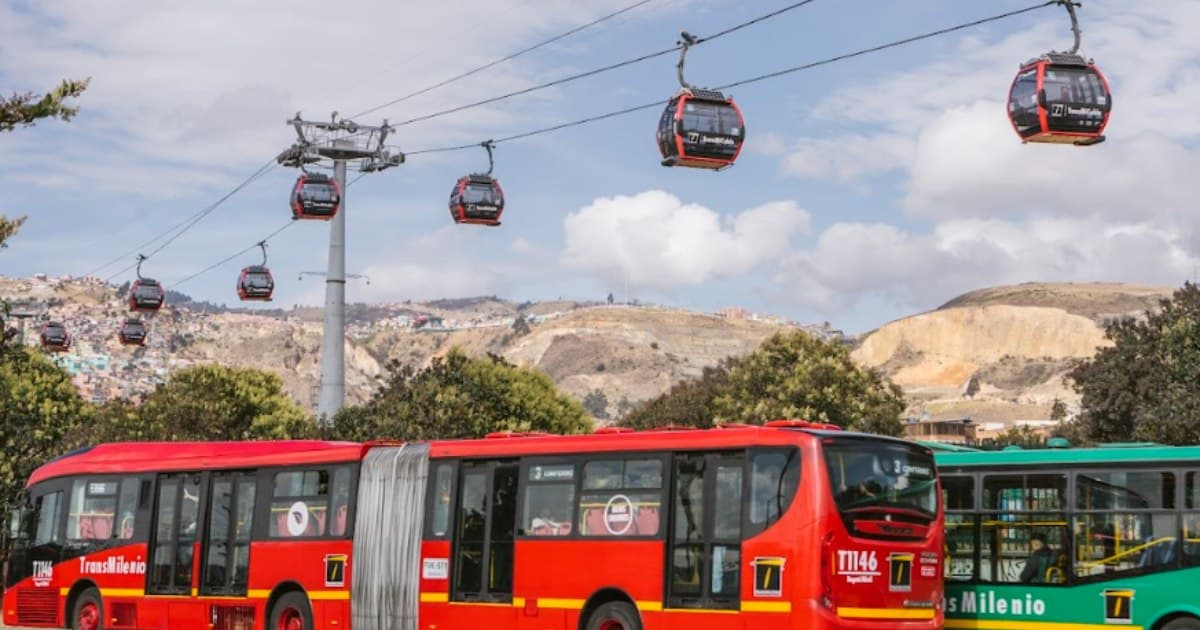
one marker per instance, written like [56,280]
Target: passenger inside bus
[547,523]
[1040,560]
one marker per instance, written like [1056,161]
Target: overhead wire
[602,69]
[182,226]
[761,77]
[657,103]
[496,62]
[231,257]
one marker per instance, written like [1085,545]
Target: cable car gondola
[55,337]
[146,294]
[477,198]
[133,332]
[1060,97]
[315,196]
[256,283]
[700,128]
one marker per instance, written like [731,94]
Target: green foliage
[792,375]
[596,403]
[9,227]
[461,397]
[22,110]
[213,402]
[688,403]
[1146,386]
[1023,437]
[40,413]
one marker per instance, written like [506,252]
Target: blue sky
[868,189]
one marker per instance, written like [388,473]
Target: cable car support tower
[347,145]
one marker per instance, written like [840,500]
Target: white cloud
[853,260]
[656,241]
[202,86]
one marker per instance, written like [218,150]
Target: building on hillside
[950,431]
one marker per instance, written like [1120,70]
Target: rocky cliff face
[1000,354]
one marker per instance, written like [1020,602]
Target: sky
[868,189]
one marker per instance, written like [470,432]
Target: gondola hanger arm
[686,40]
[488,144]
[1070,5]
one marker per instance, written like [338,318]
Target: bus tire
[615,616]
[291,612]
[1183,623]
[88,611]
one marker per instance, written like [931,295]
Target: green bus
[1072,538]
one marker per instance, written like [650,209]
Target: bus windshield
[869,475]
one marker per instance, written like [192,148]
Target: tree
[22,110]
[461,397]
[688,403]
[40,412]
[596,403]
[791,375]
[1058,410]
[216,402]
[8,228]
[1146,386]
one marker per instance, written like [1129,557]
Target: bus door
[704,542]
[225,547]
[173,551]
[485,524]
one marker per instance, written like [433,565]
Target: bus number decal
[435,569]
[900,567]
[858,567]
[335,569]
[43,572]
[1118,605]
[768,577]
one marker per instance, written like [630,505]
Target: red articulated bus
[789,525]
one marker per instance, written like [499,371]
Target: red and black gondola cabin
[477,199]
[55,337]
[256,284]
[1060,98]
[133,332]
[146,294]
[701,129]
[316,196]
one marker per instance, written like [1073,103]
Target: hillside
[628,353]
[1000,354]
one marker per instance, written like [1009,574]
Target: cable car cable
[261,171]
[762,77]
[261,241]
[497,62]
[602,69]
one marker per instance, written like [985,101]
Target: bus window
[92,511]
[299,504]
[441,488]
[959,498]
[621,497]
[341,501]
[1125,523]
[127,504]
[47,510]
[774,477]
[1024,535]
[1191,520]
[549,500]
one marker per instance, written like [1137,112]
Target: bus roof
[131,457]
[1069,456]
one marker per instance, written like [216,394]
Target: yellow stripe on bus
[771,607]
[885,613]
[557,603]
[1001,624]
[567,604]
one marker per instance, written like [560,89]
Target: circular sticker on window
[297,519]
[618,515]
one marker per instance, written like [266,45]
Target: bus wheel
[1183,623]
[615,616]
[89,611]
[291,612]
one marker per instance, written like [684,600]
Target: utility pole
[346,144]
